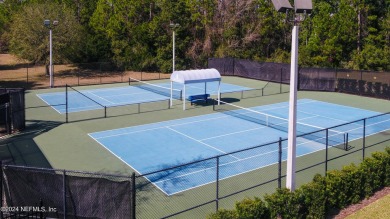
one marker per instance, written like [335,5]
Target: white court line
[218,116]
[52,106]
[212,181]
[303,143]
[99,97]
[139,173]
[115,104]
[247,130]
[200,142]
[228,163]
[233,133]
[127,133]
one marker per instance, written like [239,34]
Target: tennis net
[165,91]
[335,138]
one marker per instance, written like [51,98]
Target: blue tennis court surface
[152,147]
[90,99]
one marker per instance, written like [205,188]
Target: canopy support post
[184,96]
[171,98]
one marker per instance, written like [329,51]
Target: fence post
[234,63]
[281,80]
[64,192]
[217,187]
[326,151]
[1,186]
[133,197]
[280,164]
[364,137]
[8,119]
[66,103]
[27,75]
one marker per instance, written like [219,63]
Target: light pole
[173,26]
[50,26]
[301,7]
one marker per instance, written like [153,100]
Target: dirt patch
[18,73]
[8,59]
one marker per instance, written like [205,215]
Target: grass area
[377,209]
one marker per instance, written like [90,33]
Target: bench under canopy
[195,76]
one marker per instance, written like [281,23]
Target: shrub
[337,190]
[248,208]
[313,198]
[283,203]
[223,214]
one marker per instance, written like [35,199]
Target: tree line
[136,34]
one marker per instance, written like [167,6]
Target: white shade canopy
[196,76]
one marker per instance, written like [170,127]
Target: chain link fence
[65,194]
[195,189]
[31,76]
[12,110]
[366,83]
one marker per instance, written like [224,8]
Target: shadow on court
[21,149]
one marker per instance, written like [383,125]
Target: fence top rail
[64,171]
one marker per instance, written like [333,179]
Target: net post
[280,164]
[346,142]
[66,103]
[364,137]
[105,111]
[217,187]
[133,196]
[262,91]
[326,150]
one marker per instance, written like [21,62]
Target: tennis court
[152,147]
[141,92]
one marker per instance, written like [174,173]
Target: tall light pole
[173,26]
[301,7]
[50,25]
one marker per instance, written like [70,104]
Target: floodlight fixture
[174,25]
[303,6]
[282,5]
[46,23]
